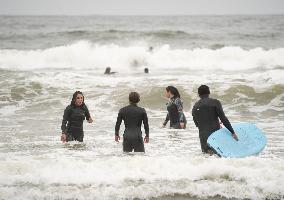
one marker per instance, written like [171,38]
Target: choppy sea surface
[44,60]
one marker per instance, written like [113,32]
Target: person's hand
[146,139]
[63,137]
[117,138]
[181,125]
[90,120]
[235,136]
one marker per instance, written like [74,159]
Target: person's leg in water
[127,145]
[139,145]
[204,146]
[69,137]
[177,126]
[75,137]
[79,137]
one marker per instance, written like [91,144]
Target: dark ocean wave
[105,33]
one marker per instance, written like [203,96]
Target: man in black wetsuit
[132,115]
[206,114]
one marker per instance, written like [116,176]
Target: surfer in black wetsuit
[132,115]
[108,71]
[74,115]
[175,109]
[206,114]
[146,70]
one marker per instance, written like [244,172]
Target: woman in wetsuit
[175,109]
[74,115]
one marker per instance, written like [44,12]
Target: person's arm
[65,120]
[64,123]
[223,117]
[193,116]
[146,127]
[166,120]
[87,114]
[117,125]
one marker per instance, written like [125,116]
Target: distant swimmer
[108,71]
[146,70]
[206,114]
[151,49]
[133,116]
[74,115]
[175,109]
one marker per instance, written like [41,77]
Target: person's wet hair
[74,98]
[174,91]
[134,97]
[203,90]
[108,70]
[146,70]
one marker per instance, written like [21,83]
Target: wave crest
[84,54]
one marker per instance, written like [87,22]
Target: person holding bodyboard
[206,114]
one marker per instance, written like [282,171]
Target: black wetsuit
[132,115]
[72,123]
[205,114]
[175,113]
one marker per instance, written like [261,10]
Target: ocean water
[44,60]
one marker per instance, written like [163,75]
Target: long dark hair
[74,99]
[174,91]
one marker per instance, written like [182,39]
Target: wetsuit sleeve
[87,113]
[223,117]
[146,125]
[65,119]
[118,122]
[193,116]
[166,120]
[179,106]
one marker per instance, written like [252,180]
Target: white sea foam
[84,54]
[144,177]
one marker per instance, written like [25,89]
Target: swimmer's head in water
[77,99]
[172,91]
[203,90]
[146,70]
[134,97]
[108,70]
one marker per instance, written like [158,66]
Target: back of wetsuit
[173,114]
[206,114]
[133,117]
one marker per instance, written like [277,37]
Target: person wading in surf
[74,115]
[175,109]
[133,116]
[108,71]
[206,114]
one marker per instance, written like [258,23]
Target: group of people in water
[109,72]
[207,113]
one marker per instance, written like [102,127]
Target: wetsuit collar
[204,96]
[133,104]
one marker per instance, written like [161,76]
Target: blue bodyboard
[251,141]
